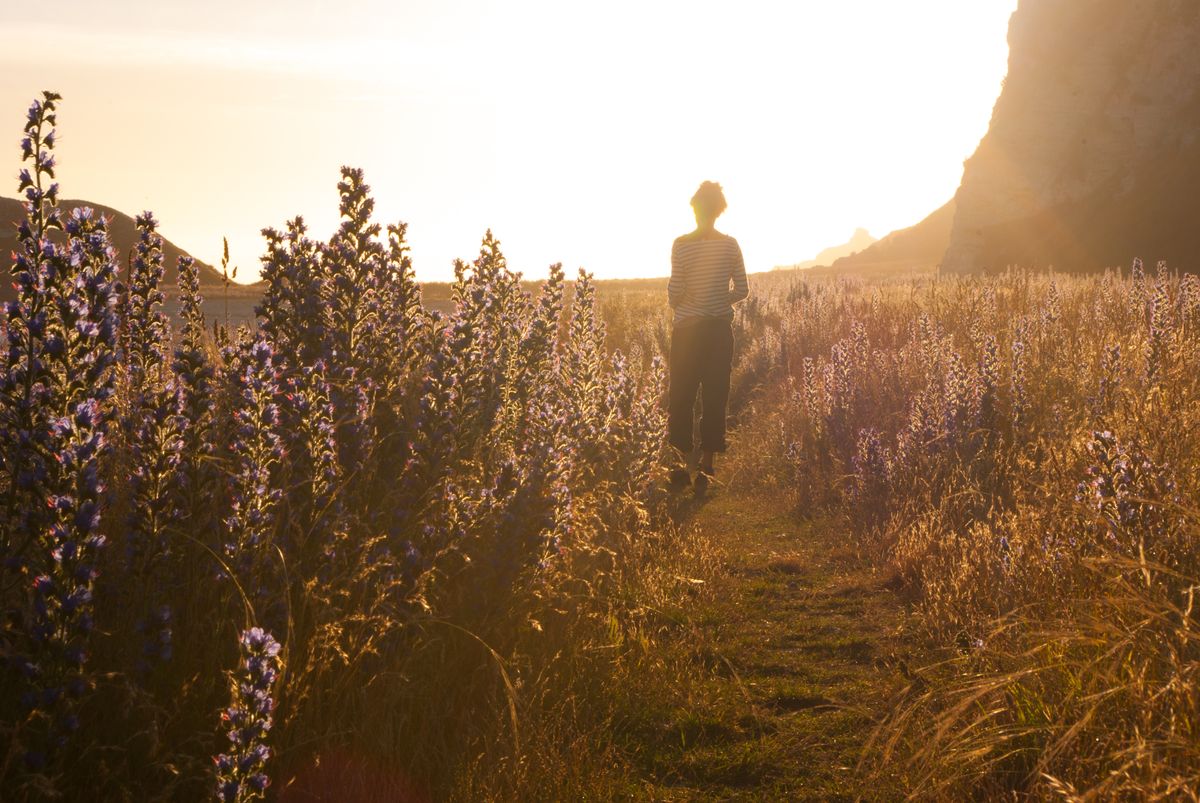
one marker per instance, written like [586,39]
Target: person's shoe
[679,479]
[700,486]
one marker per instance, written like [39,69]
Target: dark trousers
[701,359]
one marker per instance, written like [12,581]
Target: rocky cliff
[1092,156]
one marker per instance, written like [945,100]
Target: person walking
[708,276]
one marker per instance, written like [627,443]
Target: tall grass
[1022,451]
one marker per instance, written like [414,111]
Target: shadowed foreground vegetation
[363,540]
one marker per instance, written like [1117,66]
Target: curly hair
[709,198]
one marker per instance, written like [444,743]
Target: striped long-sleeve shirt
[701,273]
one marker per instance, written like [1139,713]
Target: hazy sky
[577,132]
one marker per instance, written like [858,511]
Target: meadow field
[356,547]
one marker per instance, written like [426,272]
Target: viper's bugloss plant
[156,496]
[55,411]
[1158,347]
[868,491]
[1019,381]
[582,365]
[292,312]
[155,420]
[145,323]
[241,772]
[1189,302]
[1135,499]
[401,312]
[314,442]
[256,451]
[988,384]
[194,377]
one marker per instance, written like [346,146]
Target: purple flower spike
[56,382]
[241,772]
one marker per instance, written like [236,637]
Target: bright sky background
[576,131]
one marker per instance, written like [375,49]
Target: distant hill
[918,247]
[123,233]
[858,241]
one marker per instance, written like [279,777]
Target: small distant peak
[860,239]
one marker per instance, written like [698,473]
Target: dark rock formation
[1093,153]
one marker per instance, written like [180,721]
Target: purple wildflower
[1158,347]
[55,387]
[1134,497]
[1020,395]
[257,451]
[241,772]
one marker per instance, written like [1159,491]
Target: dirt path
[798,646]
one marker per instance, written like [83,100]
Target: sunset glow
[576,132]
